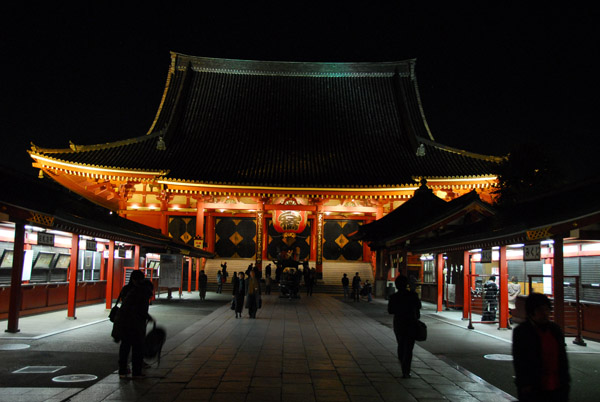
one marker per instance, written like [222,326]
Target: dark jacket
[527,358]
[202,280]
[130,324]
[356,282]
[406,306]
[345,281]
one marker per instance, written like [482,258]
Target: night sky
[490,76]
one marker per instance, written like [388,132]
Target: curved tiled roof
[287,124]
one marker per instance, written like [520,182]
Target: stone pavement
[313,349]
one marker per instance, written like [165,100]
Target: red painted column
[558,274]
[110,268]
[72,297]
[440,281]
[102,265]
[14,303]
[313,238]
[136,257]
[197,272]
[190,275]
[210,233]
[503,294]
[265,252]
[200,218]
[466,284]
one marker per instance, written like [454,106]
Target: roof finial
[160,144]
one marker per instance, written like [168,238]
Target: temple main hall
[252,160]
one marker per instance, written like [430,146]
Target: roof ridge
[74,148]
[305,68]
[447,148]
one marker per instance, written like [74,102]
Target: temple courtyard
[317,348]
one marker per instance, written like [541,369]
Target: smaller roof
[45,203]
[556,212]
[423,213]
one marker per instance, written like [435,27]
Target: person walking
[202,283]
[268,270]
[219,282]
[368,291]
[235,282]
[490,296]
[406,306]
[346,286]
[253,300]
[224,272]
[539,354]
[239,294]
[356,287]
[130,325]
[268,281]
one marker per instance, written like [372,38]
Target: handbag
[112,316]
[114,312]
[233,304]
[421,334]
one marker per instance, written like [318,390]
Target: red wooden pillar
[72,297]
[503,282]
[440,281]
[189,275]
[210,233]
[197,272]
[164,217]
[200,218]
[14,303]
[110,268]
[136,257]
[466,285]
[265,253]
[559,279]
[313,238]
[102,265]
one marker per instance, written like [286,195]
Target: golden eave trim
[295,189]
[71,165]
[450,180]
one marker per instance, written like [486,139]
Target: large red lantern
[289,221]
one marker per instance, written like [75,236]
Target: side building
[259,160]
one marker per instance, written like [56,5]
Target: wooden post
[136,257]
[319,239]
[14,303]
[260,216]
[189,282]
[197,272]
[466,284]
[440,281]
[558,280]
[503,288]
[72,296]
[313,238]
[110,273]
[210,233]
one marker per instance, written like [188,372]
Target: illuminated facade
[255,158]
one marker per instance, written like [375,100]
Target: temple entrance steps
[333,272]
[212,266]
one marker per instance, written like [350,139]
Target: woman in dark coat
[406,306]
[539,354]
[239,293]
[252,294]
[130,325]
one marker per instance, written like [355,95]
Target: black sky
[489,75]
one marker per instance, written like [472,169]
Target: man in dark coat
[253,293]
[346,286]
[356,287]
[130,325]
[406,306]
[239,291]
[539,353]
[202,282]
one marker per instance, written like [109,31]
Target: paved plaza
[314,349]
